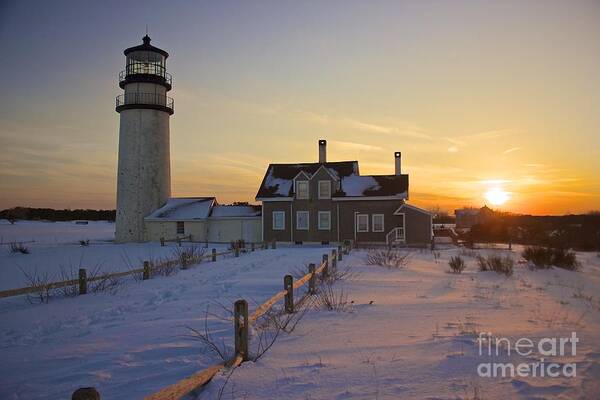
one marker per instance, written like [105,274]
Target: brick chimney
[398,159]
[322,151]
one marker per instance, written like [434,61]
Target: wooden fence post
[162,242]
[313,279]
[214,255]
[333,259]
[179,242]
[146,273]
[82,281]
[241,328]
[339,252]
[510,244]
[288,284]
[252,246]
[326,269]
[273,244]
[237,251]
[88,393]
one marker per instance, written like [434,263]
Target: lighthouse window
[180,227]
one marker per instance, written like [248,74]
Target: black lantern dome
[145,63]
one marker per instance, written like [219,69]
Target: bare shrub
[501,265]
[40,282]
[482,263]
[270,326]
[546,257]
[208,343]
[457,264]
[565,259]
[165,267]
[19,248]
[331,298]
[188,255]
[68,275]
[101,282]
[539,256]
[387,258]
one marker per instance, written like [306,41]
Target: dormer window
[324,189]
[302,190]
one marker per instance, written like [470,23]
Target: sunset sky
[478,95]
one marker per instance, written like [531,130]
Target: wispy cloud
[400,129]
[511,150]
[460,141]
[355,146]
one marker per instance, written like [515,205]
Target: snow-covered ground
[54,251]
[412,334]
[409,333]
[131,342]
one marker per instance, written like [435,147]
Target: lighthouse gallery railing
[145,98]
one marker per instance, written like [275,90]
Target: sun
[497,196]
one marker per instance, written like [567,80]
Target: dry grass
[388,258]
[457,264]
[547,257]
[501,265]
[18,248]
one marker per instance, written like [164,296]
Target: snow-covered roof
[278,180]
[235,211]
[184,208]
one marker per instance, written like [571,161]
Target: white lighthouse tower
[144,171]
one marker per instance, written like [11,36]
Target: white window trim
[307,220]
[307,190]
[358,225]
[282,219]
[382,222]
[321,228]
[319,189]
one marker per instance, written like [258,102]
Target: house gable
[401,209]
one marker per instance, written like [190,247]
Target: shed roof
[184,208]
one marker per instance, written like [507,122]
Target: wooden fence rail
[242,322]
[146,271]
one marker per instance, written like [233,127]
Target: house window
[362,222]
[302,220]
[324,189]
[302,190]
[324,220]
[377,224]
[278,220]
[180,227]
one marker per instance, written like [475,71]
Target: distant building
[330,202]
[466,218]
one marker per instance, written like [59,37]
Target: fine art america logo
[543,349]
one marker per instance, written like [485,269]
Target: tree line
[49,214]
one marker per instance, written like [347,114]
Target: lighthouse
[144,171]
